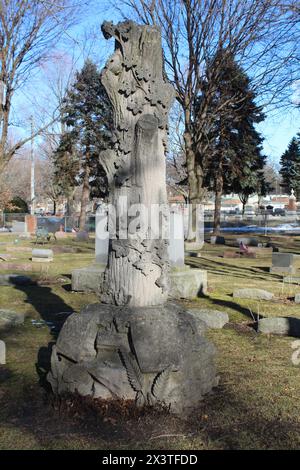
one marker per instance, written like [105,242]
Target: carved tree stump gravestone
[135,345]
[141,99]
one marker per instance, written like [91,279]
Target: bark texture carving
[141,98]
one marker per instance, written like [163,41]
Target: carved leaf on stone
[125,142]
[136,106]
[145,263]
[120,250]
[107,158]
[127,88]
[123,126]
[162,282]
[130,61]
[134,374]
[160,383]
[124,30]
[133,256]
[143,73]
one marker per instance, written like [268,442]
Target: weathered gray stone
[187,283]
[14,279]
[88,279]
[280,326]
[297,298]
[41,255]
[212,318]
[250,293]
[2,352]
[283,263]
[149,354]
[9,318]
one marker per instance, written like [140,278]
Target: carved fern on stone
[134,374]
[160,383]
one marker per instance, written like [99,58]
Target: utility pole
[32,176]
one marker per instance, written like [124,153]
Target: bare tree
[261,35]
[28,31]
[176,160]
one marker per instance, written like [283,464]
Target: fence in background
[68,223]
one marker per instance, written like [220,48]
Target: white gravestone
[2,353]
[176,242]
[102,236]
[90,279]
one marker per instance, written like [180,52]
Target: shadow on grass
[234,306]
[223,420]
[45,301]
[54,311]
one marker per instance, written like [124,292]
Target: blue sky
[278,128]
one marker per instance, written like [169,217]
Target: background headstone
[249,293]
[176,242]
[82,236]
[2,352]
[31,222]
[101,236]
[41,255]
[283,263]
[19,227]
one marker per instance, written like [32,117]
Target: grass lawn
[256,405]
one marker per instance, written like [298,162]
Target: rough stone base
[147,354]
[88,279]
[187,282]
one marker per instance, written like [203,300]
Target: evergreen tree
[87,116]
[290,167]
[234,161]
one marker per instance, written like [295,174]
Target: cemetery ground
[255,406]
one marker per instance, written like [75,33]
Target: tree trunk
[54,207]
[243,209]
[218,200]
[85,197]
[195,183]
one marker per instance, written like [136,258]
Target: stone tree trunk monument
[136,345]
